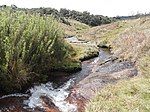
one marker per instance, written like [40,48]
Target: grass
[75,28]
[125,96]
[31,46]
[112,34]
[103,34]
[79,26]
[85,51]
[82,51]
[128,95]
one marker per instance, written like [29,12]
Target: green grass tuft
[30,45]
[126,96]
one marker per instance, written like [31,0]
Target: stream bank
[71,92]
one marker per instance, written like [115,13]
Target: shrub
[27,45]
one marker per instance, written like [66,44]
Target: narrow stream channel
[52,96]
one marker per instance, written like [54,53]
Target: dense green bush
[28,44]
[86,17]
[63,14]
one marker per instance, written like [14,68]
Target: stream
[70,92]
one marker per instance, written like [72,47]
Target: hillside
[83,17]
[64,14]
[129,40]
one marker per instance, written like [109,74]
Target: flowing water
[57,96]
[53,96]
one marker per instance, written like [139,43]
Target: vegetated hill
[129,40]
[84,17]
[63,14]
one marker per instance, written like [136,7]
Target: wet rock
[72,39]
[101,75]
[48,104]
[77,99]
[114,67]
[12,104]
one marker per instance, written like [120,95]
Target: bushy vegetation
[64,14]
[86,17]
[30,46]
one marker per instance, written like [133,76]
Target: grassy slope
[74,28]
[134,94]
[104,33]
[82,51]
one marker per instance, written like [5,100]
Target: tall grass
[27,44]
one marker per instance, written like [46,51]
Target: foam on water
[58,96]
[95,60]
[14,95]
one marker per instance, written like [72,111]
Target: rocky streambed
[71,93]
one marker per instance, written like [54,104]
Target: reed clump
[29,43]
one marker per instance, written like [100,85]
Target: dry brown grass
[103,34]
